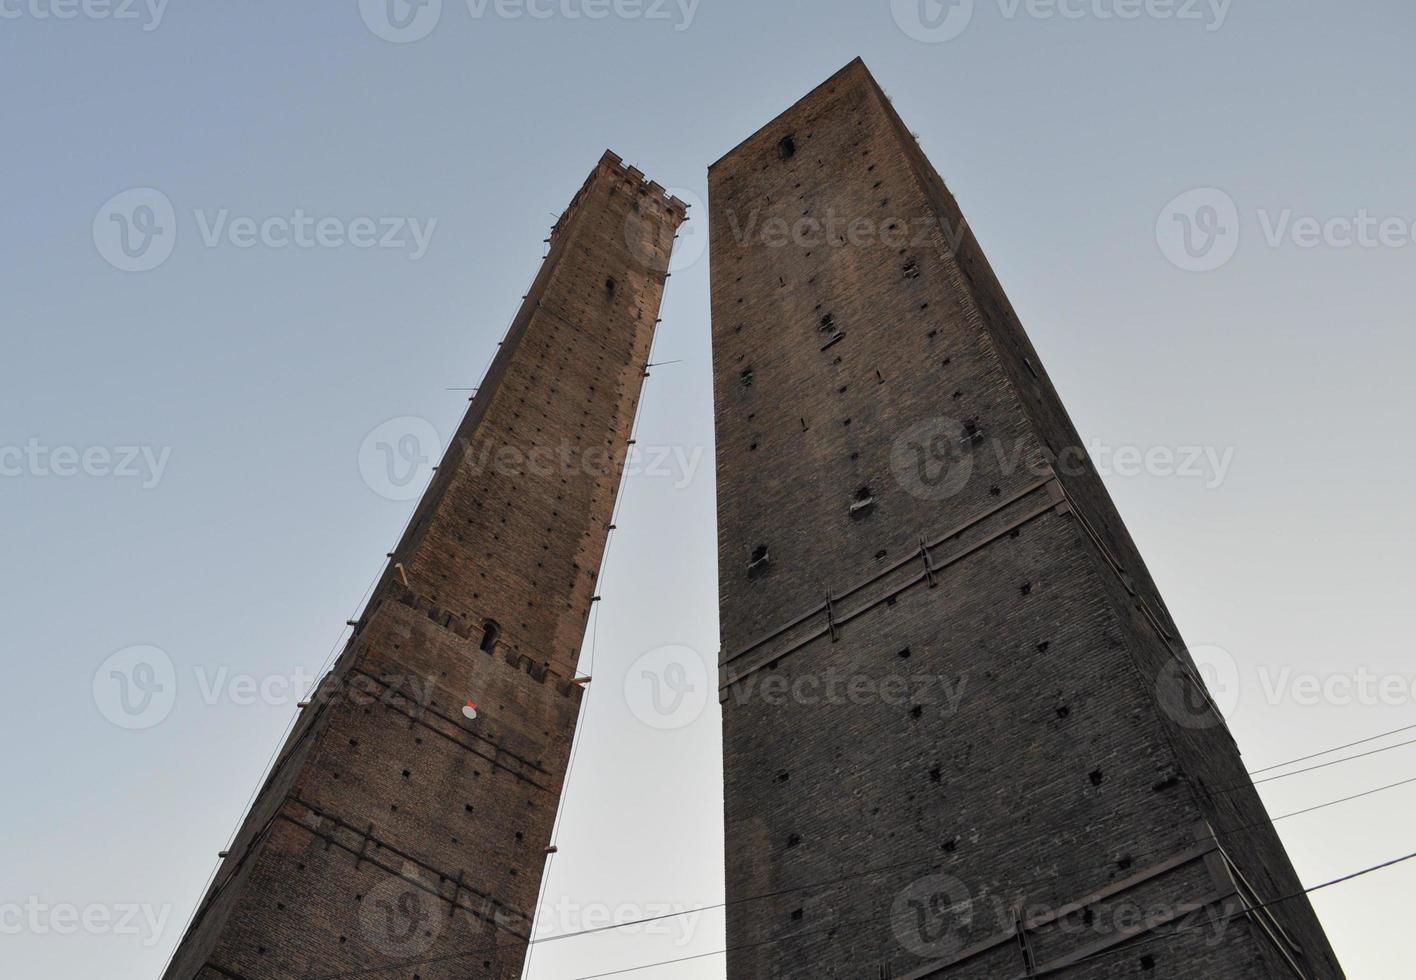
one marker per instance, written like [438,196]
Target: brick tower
[396,837]
[953,701]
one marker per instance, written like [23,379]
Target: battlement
[612,166]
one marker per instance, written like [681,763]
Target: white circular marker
[469,711]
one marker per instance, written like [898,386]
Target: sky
[241,238]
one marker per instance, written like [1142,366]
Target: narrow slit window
[490,633]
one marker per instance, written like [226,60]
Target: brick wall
[394,832]
[945,669]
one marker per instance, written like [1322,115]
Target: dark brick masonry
[943,656]
[394,833]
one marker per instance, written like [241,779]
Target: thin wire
[1335,748]
[1125,947]
[1334,762]
[1131,947]
[934,863]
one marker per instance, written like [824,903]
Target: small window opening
[611,286]
[864,500]
[786,149]
[490,632]
[912,269]
[759,561]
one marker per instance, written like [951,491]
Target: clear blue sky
[252,376]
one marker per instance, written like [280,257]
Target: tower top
[855,69]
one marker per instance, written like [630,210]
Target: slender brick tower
[953,701]
[396,836]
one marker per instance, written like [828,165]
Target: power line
[926,865]
[1335,748]
[935,863]
[1334,762]
[1128,947]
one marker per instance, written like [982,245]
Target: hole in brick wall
[950,847]
[1096,777]
[936,775]
[1044,646]
[863,502]
[1169,782]
[828,324]
[1125,863]
[783,776]
[797,914]
[794,840]
[611,286]
[904,654]
[490,632]
[881,554]
[972,431]
[1025,588]
[407,773]
[1147,962]
[912,269]
[759,560]
[1088,917]
[746,377]
[786,147]
[1064,712]
[917,711]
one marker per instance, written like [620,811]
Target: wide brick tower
[397,837]
[962,736]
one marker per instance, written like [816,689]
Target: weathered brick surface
[1009,714]
[395,833]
